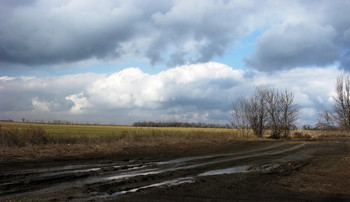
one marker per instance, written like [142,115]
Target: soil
[239,171]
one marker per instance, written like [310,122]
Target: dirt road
[267,171]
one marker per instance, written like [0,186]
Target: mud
[251,166]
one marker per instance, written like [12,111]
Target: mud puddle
[241,169]
[115,178]
[192,179]
[168,183]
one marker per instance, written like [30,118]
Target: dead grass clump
[321,134]
[15,137]
[301,135]
[333,134]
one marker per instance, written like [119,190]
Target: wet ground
[264,171]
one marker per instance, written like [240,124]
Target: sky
[118,62]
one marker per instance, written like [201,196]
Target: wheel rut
[107,180]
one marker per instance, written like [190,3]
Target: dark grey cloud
[345,60]
[299,33]
[173,32]
[345,54]
[288,46]
[65,32]
[317,37]
[195,32]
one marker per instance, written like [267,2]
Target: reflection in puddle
[178,181]
[70,172]
[240,169]
[161,184]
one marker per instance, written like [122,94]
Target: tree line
[178,124]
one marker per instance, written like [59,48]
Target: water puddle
[238,169]
[46,170]
[71,172]
[124,172]
[169,183]
[241,169]
[126,176]
[191,179]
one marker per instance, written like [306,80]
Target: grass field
[39,141]
[110,130]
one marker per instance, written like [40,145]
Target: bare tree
[274,111]
[327,121]
[339,117]
[282,112]
[238,113]
[250,112]
[342,102]
[256,111]
[266,109]
[289,112]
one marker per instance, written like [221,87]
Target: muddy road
[245,171]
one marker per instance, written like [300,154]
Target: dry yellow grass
[29,141]
[318,134]
[111,130]
[24,141]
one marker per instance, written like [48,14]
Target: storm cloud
[299,33]
[316,35]
[49,32]
[171,32]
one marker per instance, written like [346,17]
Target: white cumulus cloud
[197,92]
[187,84]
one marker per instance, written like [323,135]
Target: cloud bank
[294,33]
[192,93]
